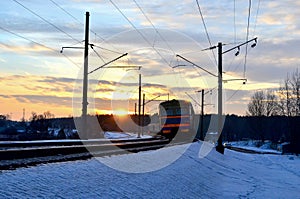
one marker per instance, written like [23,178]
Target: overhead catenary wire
[148,19]
[234,20]
[197,66]
[248,29]
[247,37]
[73,17]
[257,12]
[234,93]
[45,20]
[37,43]
[113,51]
[108,63]
[240,63]
[206,31]
[98,55]
[140,33]
[96,35]
[68,13]
[79,22]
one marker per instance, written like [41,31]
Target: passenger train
[176,116]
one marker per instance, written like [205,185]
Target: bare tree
[271,104]
[263,104]
[3,117]
[48,115]
[256,105]
[289,95]
[295,86]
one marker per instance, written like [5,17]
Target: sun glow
[120,112]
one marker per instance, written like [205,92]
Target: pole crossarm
[208,104]
[199,91]
[179,65]
[196,65]
[151,100]
[254,39]
[228,80]
[134,67]
[108,63]
[62,48]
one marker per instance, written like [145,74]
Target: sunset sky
[35,76]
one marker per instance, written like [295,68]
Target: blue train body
[175,116]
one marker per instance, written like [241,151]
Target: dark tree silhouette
[263,104]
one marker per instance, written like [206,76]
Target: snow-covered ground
[123,135]
[233,175]
[254,146]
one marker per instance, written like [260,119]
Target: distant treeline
[277,129]
[273,128]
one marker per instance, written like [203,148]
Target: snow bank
[252,145]
[233,175]
[119,135]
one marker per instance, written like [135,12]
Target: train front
[176,118]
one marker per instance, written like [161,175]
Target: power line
[106,49]
[195,68]
[196,65]
[234,20]
[79,22]
[108,63]
[247,36]
[98,55]
[73,17]
[45,20]
[37,43]
[141,34]
[207,35]
[235,92]
[258,6]
[240,63]
[60,7]
[153,26]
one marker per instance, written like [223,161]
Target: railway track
[29,153]
[243,150]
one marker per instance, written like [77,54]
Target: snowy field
[233,175]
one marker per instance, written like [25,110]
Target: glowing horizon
[36,77]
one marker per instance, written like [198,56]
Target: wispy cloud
[24,49]
[53,76]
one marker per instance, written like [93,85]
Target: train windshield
[176,111]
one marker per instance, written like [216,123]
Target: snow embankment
[256,146]
[123,135]
[233,175]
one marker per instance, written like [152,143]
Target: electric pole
[201,137]
[23,120]
[143,113]
[201,121]
[83,127]
[85,78]
[139,105]
[202,115]
[220,147]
